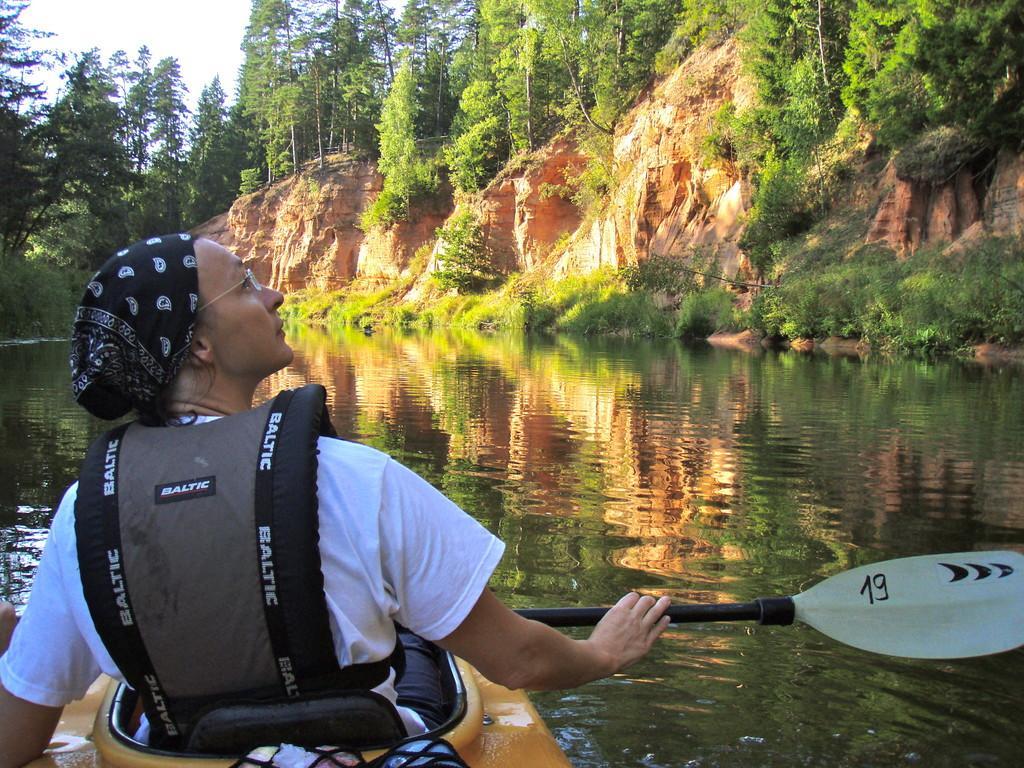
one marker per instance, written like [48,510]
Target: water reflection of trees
[43,435]
[651,458]
[606,465]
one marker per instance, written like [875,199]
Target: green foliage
[464,262]
[250,180]
[972,55]
[616,311]
[700,21]
[928,303]
[406,174]
[883,85]
[702,313]
[38,299]
[593,185]
[86,220]
[781,209]
[386,209]
[597,303]
[215,158]
[668,274]
[480,144]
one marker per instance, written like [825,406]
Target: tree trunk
[387,41]
[821,44]
[295,154]
[529,108]
[440,87]
[577,88]
[316,106]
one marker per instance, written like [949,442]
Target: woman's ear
[202,347]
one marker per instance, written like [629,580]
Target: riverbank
[37,300]
[930,303]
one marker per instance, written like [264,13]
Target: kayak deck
[501,727]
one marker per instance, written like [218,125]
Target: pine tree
[138,110]
[163,195]
[88,172]
[21,146]
[214,162]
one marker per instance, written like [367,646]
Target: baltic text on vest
[267,566]
[269,441]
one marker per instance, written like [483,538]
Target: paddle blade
[932,607]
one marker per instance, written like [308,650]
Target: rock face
[1004,203]
[912,213]
[667,202]
[526,212]
[303,231]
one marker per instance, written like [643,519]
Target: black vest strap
[289,555]
[98,536]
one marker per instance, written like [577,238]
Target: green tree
[883,84]
[138,109]
[214,159]
[406,174]
[463,261]
[21,145]
[88,170]
[269,90]
[480,145]
[163,192]
[972,58]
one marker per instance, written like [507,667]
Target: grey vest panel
[186,499]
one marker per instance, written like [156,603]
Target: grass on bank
[932,302]
[597,303]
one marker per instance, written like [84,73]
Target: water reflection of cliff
[670,460]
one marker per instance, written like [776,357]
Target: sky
[203,35]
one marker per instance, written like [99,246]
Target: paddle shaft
[764,610]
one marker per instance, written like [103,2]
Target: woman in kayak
[181,333]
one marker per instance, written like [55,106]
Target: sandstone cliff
[303,231]
[666,202]
[955,211]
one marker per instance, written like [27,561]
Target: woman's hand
[629,629]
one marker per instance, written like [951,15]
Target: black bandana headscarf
[133,329]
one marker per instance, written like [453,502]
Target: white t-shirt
[392,548]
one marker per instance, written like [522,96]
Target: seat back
[367,721]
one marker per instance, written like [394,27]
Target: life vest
[199,557]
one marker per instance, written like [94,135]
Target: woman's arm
[519,653]
[25,729]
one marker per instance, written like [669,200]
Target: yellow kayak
[499,727]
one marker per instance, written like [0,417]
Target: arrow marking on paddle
[959,572]
[982,570]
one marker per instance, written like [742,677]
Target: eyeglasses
[249,278]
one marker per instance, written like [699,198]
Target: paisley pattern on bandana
[133,329]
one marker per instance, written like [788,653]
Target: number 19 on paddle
[875,588]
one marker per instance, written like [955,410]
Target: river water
[706,475]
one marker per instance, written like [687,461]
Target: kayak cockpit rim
[121,714]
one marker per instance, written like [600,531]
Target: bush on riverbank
[593,304]
[37,299]
[931,302]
